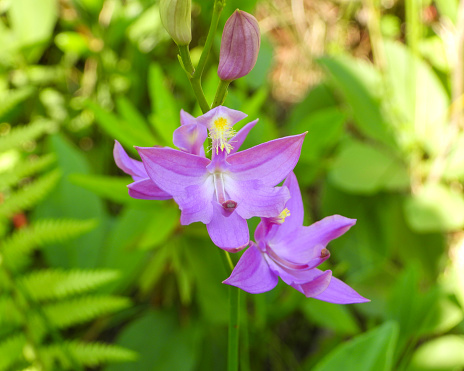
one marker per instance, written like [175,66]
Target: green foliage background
[92,279]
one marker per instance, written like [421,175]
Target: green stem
[221,93]
[195,83]
[218,6]
[234,331]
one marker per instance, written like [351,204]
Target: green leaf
[360,85]
[363,169]
[21,134]
[417,97]
[72,202]
[11,350]
[161,225]
[435,208]
[83,309]
[72,42]
[111,188]
[332,316]
[445,353]
[40,233]
[33,22]
[161,342]
[56,284]
[11,101]
[124,132]
[372,351]
[132,116]
[324,129]
[165,117]
[25,169]
[30,195]
[87,354]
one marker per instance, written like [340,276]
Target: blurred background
[91,279]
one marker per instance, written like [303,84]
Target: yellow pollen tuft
[219,133]
[284,214]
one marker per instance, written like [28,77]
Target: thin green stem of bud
[221,93]
[195,83]
[218,6]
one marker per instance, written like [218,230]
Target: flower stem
[195,83]
[221,93]
[218,6]
[234,330]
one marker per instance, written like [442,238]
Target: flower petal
[195,203]
[339,292]
[190,138]
[130,166]
[231,115]
[186,118]
[240,137]
[269,162]
[146,189]
[228,230]
[172,170]
[306,243]
[252,274]
[316,286]
[293,275]
[255,199]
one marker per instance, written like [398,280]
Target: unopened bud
[239,46]
[177,19]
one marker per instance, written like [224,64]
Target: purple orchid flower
[231,187]
[292,252]
[188,137]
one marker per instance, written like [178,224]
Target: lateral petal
[240,137]
[339,292]
[186,118]
[146,189]
[172,170]
[252,274]
[228,230]
[130,166]
[269,162]
[306,243]
[255,199]
[190,138]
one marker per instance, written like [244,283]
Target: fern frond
[24,169]
[19,135]
[58,284]
[12,98]
[11,350]
[9,314]
[30,195]
[80,310]
[88,354]
[25,240]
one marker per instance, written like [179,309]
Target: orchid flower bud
[176,18]
[239,46]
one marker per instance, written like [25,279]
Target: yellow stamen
[284,214]
[219,133]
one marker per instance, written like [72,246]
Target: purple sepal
[145,189]
[130,166]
